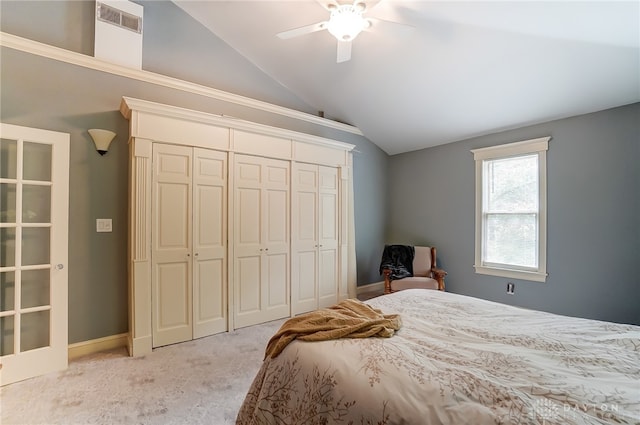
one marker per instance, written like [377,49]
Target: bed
[456,360]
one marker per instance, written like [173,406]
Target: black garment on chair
[398,259]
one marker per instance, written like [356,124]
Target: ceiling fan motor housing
[346,21]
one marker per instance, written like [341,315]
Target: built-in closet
[231,223]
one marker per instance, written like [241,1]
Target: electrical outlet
[511,288]
[104,225]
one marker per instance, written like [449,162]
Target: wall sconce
[102,139]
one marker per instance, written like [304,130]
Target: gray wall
[593,170]
[44,93]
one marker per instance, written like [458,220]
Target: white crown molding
[51,52]
[516,148]
[128,105]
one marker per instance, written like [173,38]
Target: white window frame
[537,146]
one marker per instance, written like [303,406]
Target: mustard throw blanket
[348,319]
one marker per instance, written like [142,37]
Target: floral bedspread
[456,360]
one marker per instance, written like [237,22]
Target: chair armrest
[439,274]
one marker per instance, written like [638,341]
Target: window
[511,210]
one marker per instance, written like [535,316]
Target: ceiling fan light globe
[346,22]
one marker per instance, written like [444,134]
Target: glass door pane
[7,247]
[8,158]
[34,330]
[36,203]
[7,291]
[37,162]
[36,243]
[7,202]
[35,288]
[6,335]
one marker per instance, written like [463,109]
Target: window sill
[513,274]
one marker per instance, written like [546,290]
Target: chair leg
[439,275]
[387,281]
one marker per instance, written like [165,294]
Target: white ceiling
[464,70]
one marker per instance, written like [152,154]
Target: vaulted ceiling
[464,69]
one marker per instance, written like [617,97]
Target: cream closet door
[188,273]
[34,217]
[328,236]
[315,237]
[209,242]
[261,240]
[171,290]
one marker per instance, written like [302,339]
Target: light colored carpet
[196,382]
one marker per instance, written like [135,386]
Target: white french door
[34,217]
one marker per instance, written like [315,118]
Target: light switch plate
[103,225]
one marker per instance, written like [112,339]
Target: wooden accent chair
[422,272]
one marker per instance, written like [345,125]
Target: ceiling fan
[345,22]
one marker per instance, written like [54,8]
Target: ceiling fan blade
[344,51]
[389,27]
[307,29]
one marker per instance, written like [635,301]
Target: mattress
[456,360]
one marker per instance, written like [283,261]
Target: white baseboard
[84,348]
[140,346]
[372,287]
